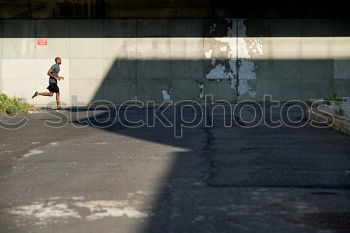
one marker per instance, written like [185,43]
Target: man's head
[58,60]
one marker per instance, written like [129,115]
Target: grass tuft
[14,105]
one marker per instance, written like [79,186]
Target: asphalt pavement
[102,171]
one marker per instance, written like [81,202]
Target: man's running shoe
[35,95]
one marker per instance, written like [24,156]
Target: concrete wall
[154,59]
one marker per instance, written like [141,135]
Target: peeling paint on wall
[237,51]
[219,72]
[208,53]
[166,95]
[201,88]
[223,48]
[256,47]
[245,88]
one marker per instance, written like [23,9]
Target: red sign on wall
[41,41]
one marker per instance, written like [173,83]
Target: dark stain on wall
[89,9]
[82,9]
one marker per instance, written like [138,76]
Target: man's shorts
[53,88]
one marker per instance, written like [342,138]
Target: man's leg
[42,93]
[58,100]
[45,93]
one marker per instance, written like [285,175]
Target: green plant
[334,98]
[3,97]
[339,111]
[13,105]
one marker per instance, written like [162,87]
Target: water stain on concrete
[32,152]
[42,212]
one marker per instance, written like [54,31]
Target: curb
[338,123]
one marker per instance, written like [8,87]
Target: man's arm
[49,73]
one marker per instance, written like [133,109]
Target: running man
[53,77]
